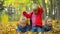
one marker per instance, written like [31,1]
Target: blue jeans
[37,29]
[46,29]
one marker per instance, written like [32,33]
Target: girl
[23,26]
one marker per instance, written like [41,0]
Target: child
[36,18]
[23,27]
[48,25]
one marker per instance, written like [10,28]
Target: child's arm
[18,30]
[26,15]
[40,10]
[18,33]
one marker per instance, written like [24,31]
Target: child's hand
[24,11]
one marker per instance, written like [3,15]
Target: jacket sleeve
[40,10]
[26,14]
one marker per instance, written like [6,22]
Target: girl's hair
[23,18]
[47,18]
[35,6]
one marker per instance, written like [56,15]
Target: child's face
[23,23]
[49,21]
[35,8]
[35,11]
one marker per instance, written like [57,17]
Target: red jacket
[38,20]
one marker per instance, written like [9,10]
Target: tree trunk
[58,9]
[44,8]
[51,9]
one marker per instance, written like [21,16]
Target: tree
[1,8]
[1,5]
[58,9]
[51,9]
[44,8]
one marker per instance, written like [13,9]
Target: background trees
[51,7]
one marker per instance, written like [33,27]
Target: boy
[23,26]
[36,18]
[48,25]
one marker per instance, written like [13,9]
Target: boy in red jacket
[36,18]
